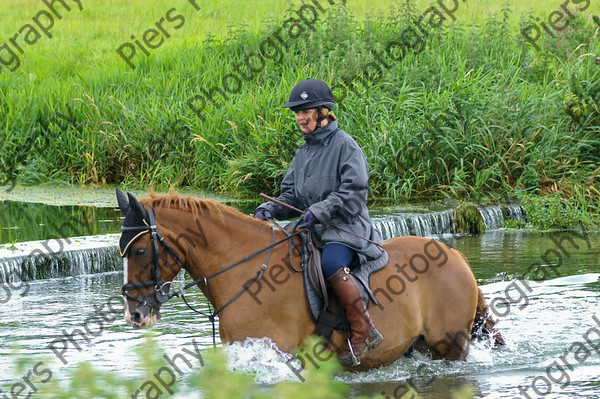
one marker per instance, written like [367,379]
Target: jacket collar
[321,135]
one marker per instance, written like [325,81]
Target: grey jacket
[329,176]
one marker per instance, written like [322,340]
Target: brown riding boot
[363,334]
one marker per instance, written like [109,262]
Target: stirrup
[372,341]
[353,359]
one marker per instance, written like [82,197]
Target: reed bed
[472,110]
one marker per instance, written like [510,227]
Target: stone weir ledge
[60,257]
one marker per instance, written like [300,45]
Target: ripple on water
[558,313]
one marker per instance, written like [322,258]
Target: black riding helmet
[311,93]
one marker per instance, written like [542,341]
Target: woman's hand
[263,214]
[309,219]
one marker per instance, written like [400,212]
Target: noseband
[161,288]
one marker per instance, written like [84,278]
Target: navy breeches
[334,257]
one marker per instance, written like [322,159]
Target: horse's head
[146,280]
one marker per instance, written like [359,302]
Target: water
[539,327]
[24,221]
[435,220]
[57,253]
[73,256]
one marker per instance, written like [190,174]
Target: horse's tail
[484,324]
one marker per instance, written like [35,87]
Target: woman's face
[307,120]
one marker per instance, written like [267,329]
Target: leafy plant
[553,212]
[470,111]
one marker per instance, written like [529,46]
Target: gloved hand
[263,214]
[309,219]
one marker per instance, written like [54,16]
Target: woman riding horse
[329,177]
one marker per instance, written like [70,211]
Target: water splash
[261,357]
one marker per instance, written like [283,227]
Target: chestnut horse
[427,293]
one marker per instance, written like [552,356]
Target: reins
[275,200]
[204,280]
[163,296]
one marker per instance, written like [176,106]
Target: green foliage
[211,379]
[322,386]
[219,383]
[211,376]
[510,223]
[464,393]
[554,212]
[493,98]
[87,382]
[468,219]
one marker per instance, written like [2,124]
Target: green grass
[511,118]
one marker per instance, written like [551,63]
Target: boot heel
[374,338]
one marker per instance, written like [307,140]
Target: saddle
[324,306]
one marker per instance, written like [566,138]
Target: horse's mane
[197,206]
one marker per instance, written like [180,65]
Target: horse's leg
[450,345]
[452,310]
[397,316]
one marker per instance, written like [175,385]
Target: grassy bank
[472,108]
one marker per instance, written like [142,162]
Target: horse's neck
[213,244]
[252,300]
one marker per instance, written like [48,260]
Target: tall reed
[510,117]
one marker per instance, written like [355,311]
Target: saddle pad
[362,273]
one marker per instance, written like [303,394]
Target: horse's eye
[139,251]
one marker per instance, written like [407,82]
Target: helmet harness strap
[320,117]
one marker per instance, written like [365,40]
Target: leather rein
[162,289]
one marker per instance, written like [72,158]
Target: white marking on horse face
[125,278]
[150,319]
[125,272]
[147,322]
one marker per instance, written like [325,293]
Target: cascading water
[36,260]
[65,257]
[429,224]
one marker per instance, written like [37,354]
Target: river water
[544,313]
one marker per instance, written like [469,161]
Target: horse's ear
[137,208]
[123,202]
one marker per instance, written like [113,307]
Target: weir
[64,257]
[429,224]
[56,258]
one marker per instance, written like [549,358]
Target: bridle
[161,288]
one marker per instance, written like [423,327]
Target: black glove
[263,214]
[309,219]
